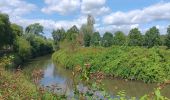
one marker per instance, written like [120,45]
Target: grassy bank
[16,86]
[134,63]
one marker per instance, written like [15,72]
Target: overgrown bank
[135,63]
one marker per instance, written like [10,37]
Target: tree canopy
[95,40]
[6,36]
[72,33]
[35,28]
[17,30]
[107,39]
[152,37]
[135,37]
[167,40]
[119,38]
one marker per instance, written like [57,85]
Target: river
[55,75]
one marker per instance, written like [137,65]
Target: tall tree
[119,38]
[87,30]
[135,37]
[72,33]
[152,37]
[95,40]
[107,39]
[35,28]
[6,36]
[167,40]
[17,30]
[90,24]
[58,35]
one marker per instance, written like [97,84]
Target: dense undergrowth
[134,63]
[16,86]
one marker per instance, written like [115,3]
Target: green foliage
[152,37]
[17,30]
[167,41]
[95,40]
[6,36]
[35,28]
[40,45]
[22,47]
[87,39]
[133,63]
[72,33]
[135,37]
[58,36]
[119,38]
[107,39]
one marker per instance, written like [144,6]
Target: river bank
[131,63]
[53,74]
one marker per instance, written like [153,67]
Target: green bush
[134,63]
[23,48]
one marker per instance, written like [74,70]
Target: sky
[110,15]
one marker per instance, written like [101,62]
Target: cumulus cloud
[16,7]
[160,11]
[61,6]
[94,7]
[50,24]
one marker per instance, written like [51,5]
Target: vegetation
[16,86]
[152,37]
[6,35]
[119,38]
[115,55]
[95,41]
[133,63]
[167,41]
[107,39]
[23,45]
[135,37]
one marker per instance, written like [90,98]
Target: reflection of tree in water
[64,74]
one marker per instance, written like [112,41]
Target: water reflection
[61,79]
[55,77]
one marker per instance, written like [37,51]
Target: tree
[95,40]
[6,36]
[58,35]
[87,30]
[152,37]
[72,33]
[87,39]
[119,38]
[135,37]
[22,47]
[107,39]
[35,29]
[167,40]
[90,24]
[17,30]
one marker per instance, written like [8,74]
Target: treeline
[87,37]
[23,44]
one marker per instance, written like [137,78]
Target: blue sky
[110,15]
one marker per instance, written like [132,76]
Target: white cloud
[160,11]
[94,7]
[16,7]
[61,6]
[50,24]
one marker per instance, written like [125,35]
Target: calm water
[55,75]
